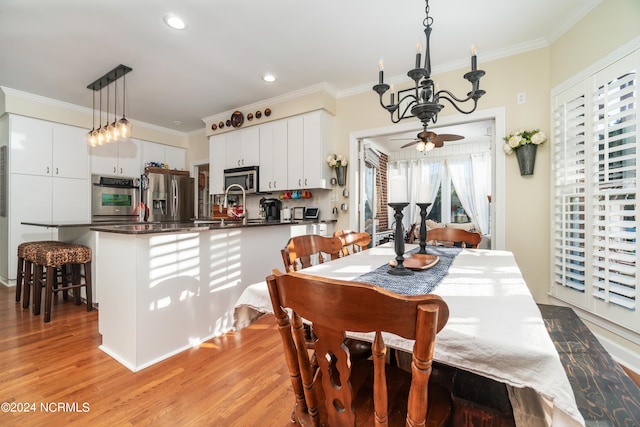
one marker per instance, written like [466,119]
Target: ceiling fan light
[421,146]
[429,146]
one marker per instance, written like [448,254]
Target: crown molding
[80,109]
[320,87]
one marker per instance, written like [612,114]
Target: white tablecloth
[495,329]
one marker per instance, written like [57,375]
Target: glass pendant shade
[124,127]
[99,136]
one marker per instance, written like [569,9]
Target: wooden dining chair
[353,241]
[454,237]
[303,251]
[358,392]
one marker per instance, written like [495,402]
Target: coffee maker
[271,209]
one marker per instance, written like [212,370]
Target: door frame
[498,164]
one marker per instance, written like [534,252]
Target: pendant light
[116,129]
[99,130]
[92,135]
[105,129]
[113,127]
[124,127]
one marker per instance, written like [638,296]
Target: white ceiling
[55,48]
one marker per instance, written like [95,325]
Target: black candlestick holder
[423,226]
[399,269]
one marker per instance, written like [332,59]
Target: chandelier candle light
[423,101]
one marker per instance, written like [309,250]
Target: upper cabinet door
[242,148]
[175,157]
[70,152]
[129,158]
[30,146]
[295,153]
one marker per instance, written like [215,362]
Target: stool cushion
[57,255]
[24,245]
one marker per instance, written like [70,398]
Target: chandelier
[118,129]
[423,101]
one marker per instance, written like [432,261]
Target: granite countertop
[165,227]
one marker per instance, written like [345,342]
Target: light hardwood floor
[238,379]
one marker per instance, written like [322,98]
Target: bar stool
[25,270]
[46,260]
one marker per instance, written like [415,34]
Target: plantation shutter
[569,189]
[614,188]
[594,193]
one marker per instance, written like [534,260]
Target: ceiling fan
[428,140]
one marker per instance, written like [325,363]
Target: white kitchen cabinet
[121,158]
[242,148]
[44,148]
[48,182]
[42,199]
[175,157]
[295,153]
[308,146]
[273,156]
[217,149]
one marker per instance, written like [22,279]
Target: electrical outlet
[521,98]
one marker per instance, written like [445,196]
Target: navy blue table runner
[422,282]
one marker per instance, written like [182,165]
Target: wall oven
[115,198]
[246,177]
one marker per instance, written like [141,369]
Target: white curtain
[481,166]
[418,172]
[471,177]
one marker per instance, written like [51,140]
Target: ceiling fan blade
[438,143]
[449,137]
[410,144]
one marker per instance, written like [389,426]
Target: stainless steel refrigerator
[167,196]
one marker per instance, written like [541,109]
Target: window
[594,193]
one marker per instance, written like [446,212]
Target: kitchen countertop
[165,227]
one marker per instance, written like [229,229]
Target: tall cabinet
[48,181]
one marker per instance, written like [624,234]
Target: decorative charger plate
[418,261]
[237,118]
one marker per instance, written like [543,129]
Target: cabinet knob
[57,173]
[299,182]
[47,170]
[305,182]
[115,169]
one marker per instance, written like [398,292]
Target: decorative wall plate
[221,125]
[250,116]
[237,118]
[267,112]
[214,126]
[258,114]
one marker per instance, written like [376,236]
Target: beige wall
[527,203]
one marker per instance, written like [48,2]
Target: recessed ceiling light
[177,122]
[269,78]
[174,22]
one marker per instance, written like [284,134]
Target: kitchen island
[167,287]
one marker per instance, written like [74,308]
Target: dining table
[495,328]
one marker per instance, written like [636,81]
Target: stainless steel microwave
[246,177]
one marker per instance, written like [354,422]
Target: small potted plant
[524,143]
